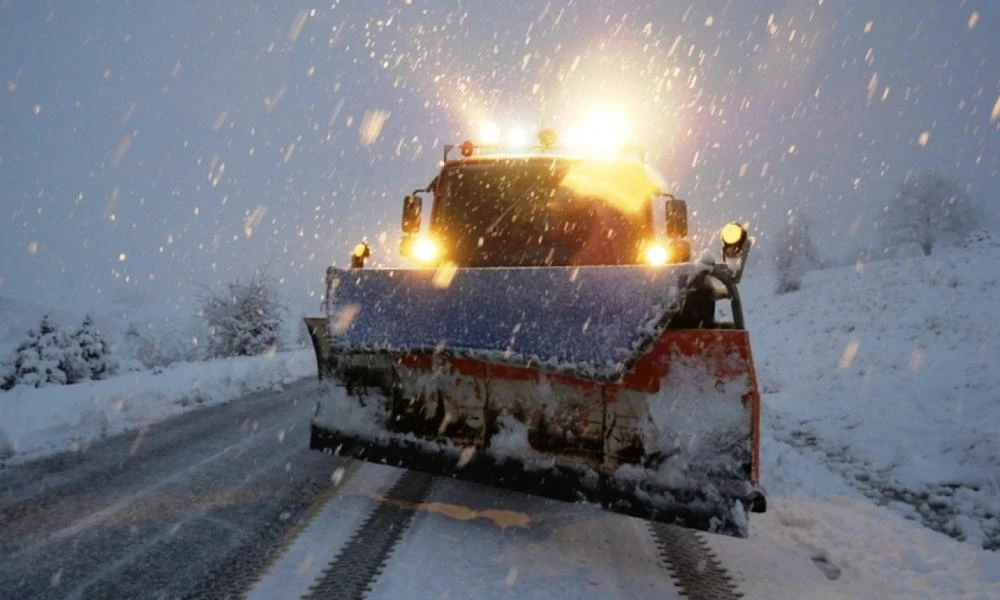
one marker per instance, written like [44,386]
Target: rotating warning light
[733,234]
[735,246]
[547,138]
[360,255]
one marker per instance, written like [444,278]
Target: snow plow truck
[555,337]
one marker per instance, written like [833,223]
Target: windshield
[543,211]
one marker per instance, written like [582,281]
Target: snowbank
[886,374]
[871,551]
[54,418]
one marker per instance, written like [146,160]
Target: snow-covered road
[471,541]
[191,506]
[228,500]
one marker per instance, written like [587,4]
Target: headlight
[425,251]
[656,255]
[669,252]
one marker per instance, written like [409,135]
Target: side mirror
[412,209]
[677,218]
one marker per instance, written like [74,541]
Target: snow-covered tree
[795,253]
[25,366]
[72,362]
[51,355]
[245,318]
[53,365]
[40,358]
[94,359]
[928,209]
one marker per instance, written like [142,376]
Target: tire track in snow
[235,575]
[357,566]
[932,505]
[306,551]
[310,510]
[694,567]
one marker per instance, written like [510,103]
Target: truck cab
[544,208]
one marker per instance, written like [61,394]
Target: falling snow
[149,152]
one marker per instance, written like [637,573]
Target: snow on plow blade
[563,382]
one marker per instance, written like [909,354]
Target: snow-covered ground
[38,421]
[886,373]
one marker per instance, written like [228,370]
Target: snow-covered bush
[51,355]
[794,254]
[928,209]
[244,319]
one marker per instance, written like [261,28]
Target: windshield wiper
[517,202]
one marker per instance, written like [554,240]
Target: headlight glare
[656,255]
[425,251]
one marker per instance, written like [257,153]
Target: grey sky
[140,141]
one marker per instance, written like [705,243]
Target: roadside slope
[885,374]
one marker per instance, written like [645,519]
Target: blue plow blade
[589,321]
